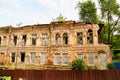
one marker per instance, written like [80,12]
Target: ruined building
[52,46]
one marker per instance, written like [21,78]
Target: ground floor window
[22,56]
[32,57]
[80,56]
[57,58]
[43,58]
[91,59]
[65,58]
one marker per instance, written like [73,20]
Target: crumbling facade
[52,46]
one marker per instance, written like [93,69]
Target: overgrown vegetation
[110,66]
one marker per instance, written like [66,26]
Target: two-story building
[52,46]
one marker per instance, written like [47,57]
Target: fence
[61,74]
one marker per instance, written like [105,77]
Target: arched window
[58,39]
[65,38]
[90,37]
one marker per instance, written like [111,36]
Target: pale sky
[30,12]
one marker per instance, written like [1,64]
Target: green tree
[61,18]
[87,11]
[78,64]
[109,10]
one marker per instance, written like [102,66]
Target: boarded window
[79,38]
[80,56]
[2,57]
[64,58]
[91,59]
[57,58]
[32,58]
[43,58]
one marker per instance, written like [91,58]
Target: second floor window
[65,38]
[15,40]
[34,37]
[58,39]
[79,38]
[90,37]
[24,39]
[44,39]
[0,40]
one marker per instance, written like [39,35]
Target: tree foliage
[61,18]
[109,10]
[87,11]
[78,64]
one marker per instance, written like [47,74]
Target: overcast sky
[29,12]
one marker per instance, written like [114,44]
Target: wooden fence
[61,74]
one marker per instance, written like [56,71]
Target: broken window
[57,58]
[24,39]
[34,37]
[64,58]
[43,58]
[44,39]
[32,58]
[58,39]
[90,37]
[0,40]
[65,38]
[79,38]
[15,40]
[12,57]
[22,56]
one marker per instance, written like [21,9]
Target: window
[32,58]
[43,58]
[44,39]
[57,58]
[15,40]
[24,39]
[65,38]
[79,38]
[64,58]
[22,56]
[90,37]
[91,59]
[0,40]
[58,39]
[34,37]
[12,57]
[80,56]
[2,56]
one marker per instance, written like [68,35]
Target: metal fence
[61,74]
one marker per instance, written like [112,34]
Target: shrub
[92,68]
[110,66]
[78,64]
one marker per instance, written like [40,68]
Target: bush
[110,66]
[92,68]
[78,64]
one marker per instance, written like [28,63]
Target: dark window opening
[90,37]
[34,37]
[15,40]
[80,38]
[13,57]
[22,57]
[65,38]
[24,39]
[0,40]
